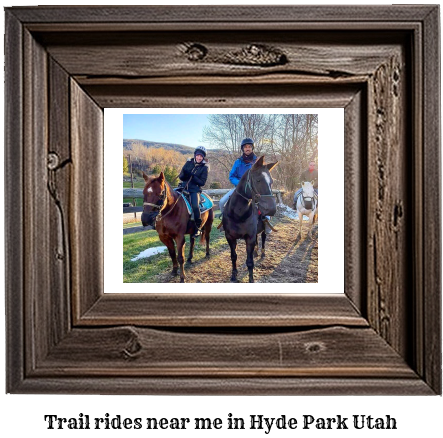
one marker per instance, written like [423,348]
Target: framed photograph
[380,334]
[157,140]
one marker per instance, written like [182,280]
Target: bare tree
[289,138]
[226,131]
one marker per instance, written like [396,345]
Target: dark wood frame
[64,65]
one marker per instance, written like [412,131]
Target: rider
[194,175]
[241,165]
[310,174]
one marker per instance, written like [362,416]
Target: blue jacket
[239,169]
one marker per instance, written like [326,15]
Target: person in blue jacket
[241,165]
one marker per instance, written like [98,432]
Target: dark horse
[252,197]
[164,206]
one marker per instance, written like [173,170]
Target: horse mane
[169,189]
[151,179]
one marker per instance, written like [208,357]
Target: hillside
[220,162]
[185,150]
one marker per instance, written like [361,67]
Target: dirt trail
[289,259]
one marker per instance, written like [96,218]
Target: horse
[251,198]
[165,207]
[307,205]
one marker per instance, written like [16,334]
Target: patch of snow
[287,211]
[149,252]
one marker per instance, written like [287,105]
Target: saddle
[206,203]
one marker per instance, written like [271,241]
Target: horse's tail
[208,226]
[202,238]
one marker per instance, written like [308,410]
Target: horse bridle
[161,200]
[255,194]
[160,205]
[308,198]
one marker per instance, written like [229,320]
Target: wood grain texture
[229,95]
[223,14]
[431,317]
[383,340]
[160,54]
[59,166]
[355,185]
[289,386]
[418,357]
[37,306]
[215,310]
[129,351]
[387,204]
[14,217]
[86,225]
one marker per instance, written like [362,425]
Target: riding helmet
[201,150]
[247,140]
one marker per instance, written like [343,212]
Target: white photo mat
[331,208]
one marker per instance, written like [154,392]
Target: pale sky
[184,129]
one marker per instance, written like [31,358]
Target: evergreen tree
[171,174]
[156,170]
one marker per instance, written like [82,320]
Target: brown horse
[165,208]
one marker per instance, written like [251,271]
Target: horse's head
[308,189]
[260,181]
[154,195]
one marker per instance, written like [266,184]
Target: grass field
[145,270]
[138,184]
[135,224]
[138,201]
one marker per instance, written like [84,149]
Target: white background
[22,415]
[331,230]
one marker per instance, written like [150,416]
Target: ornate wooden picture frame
[64,65]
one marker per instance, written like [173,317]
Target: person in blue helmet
[193,176]
[240,167]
